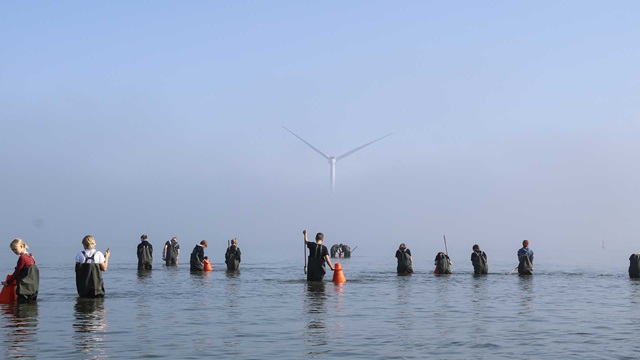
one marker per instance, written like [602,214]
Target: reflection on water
[315,313]
[20,329]
[144,276]
[90,327]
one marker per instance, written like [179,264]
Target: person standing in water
[171,251]
[26,274]
[145,254]
[405,262]
[197,256]
[525,259]
[442,263]
[233,256]
[318,256]
[479,260]
[90,263]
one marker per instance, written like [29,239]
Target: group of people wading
[90,263]
[197,261]
[443,263]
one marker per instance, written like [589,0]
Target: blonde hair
[16,243]
[89,242]
[234,242]
[205,243]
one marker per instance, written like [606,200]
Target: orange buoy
[338,275]
[207,265]
[8,293]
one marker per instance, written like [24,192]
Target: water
[269,311]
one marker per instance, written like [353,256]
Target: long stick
[511,272]
[446,251]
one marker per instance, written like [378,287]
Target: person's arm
[19,266]
[238,253]
[328,260]
[105,264]
[305,236]
[164,252]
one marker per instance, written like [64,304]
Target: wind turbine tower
[334,159]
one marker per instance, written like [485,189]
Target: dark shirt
[399,252]
[141,247]
[317,250]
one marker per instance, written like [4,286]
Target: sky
[510,121]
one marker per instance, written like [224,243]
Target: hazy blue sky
[510,120]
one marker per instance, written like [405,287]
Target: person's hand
[304,232]
[107,253]
[4,283]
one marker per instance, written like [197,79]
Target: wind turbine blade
[360,147]
[304,141]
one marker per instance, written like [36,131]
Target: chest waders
[316,269]
[89,278]
[28,284]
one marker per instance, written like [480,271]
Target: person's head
[403,246]
[206,258]
[175,238]
[476,247]
[319,237]
[525,243]
[204,243]
[143,237]
[18,246]
[89,242]
[234,242]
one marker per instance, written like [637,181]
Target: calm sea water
[268,311]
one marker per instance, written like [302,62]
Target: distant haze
[510,121]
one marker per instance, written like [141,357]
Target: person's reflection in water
[21,330]
[90,326]
[315,311]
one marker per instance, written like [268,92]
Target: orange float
[8,294]
[207,265]
[338,275]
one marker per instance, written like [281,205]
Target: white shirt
[98,258]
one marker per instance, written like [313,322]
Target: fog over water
[510,121]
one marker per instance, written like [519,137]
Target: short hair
[143,237]
[89,242]
[403,246]
[525,243]
[476,247]
[234,242]
[17,242]
[204,242]
[319,237]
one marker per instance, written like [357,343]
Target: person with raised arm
[90,263]
[318,256]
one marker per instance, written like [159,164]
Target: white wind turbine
[334,159]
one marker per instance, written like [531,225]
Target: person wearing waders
[26,275]
[525,259]
[197,256]
[318,256]
[145,254]
[346,251]
[479,260]
[442,263]
[171,251]
[405,262]
[232,256]
[90,263]
[634,265]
